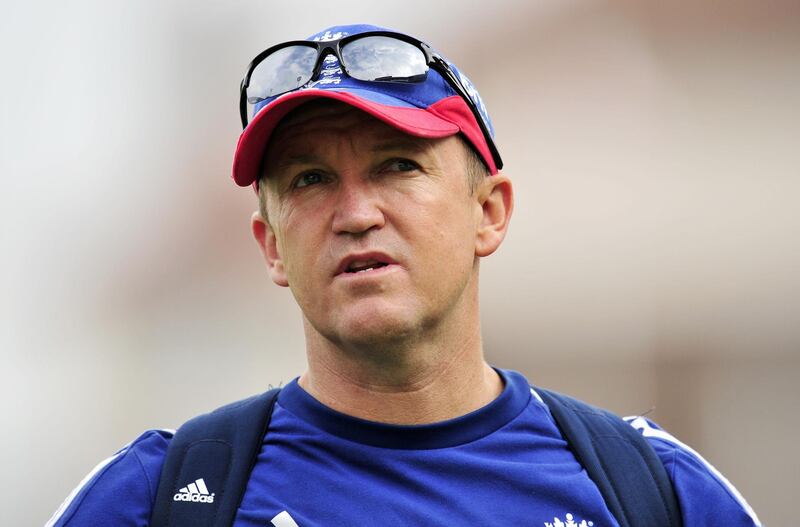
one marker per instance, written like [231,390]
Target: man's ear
[496,198]
[266,240]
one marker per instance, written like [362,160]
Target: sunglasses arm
[444,69]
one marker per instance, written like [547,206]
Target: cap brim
[411,120]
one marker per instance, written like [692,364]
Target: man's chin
[375,331]
[375,327]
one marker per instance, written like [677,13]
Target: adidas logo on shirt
[196,492]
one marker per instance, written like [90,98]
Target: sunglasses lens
[380,58]
[284,70]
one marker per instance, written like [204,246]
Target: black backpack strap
[209,462]
[621,462]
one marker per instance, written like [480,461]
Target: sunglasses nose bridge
[325,49]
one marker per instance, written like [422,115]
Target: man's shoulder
[704,494]
[120,490]
[702,490]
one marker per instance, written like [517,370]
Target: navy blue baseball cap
[431,108]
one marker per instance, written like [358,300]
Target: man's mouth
[363,266]
[364,263]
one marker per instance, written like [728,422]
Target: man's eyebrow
[286,160]
[414,144]
[290,159]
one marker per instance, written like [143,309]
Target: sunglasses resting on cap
[394,77]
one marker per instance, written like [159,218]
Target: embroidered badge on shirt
[569,523]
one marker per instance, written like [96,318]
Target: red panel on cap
[455,110]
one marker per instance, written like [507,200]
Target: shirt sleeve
[705,496]
[120,491]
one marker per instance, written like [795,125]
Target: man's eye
[402,165]
[309,178]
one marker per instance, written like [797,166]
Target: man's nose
[358,208]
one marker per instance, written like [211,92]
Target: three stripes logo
[196,492]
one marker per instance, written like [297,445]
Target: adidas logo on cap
[196,492]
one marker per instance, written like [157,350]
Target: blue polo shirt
[503,464]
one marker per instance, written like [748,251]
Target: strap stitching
[269,411]
[638,448]
[660,489]
[613,487]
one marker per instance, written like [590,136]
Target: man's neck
[438,384]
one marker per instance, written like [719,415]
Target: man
[380,191]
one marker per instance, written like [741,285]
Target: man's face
[372,229]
